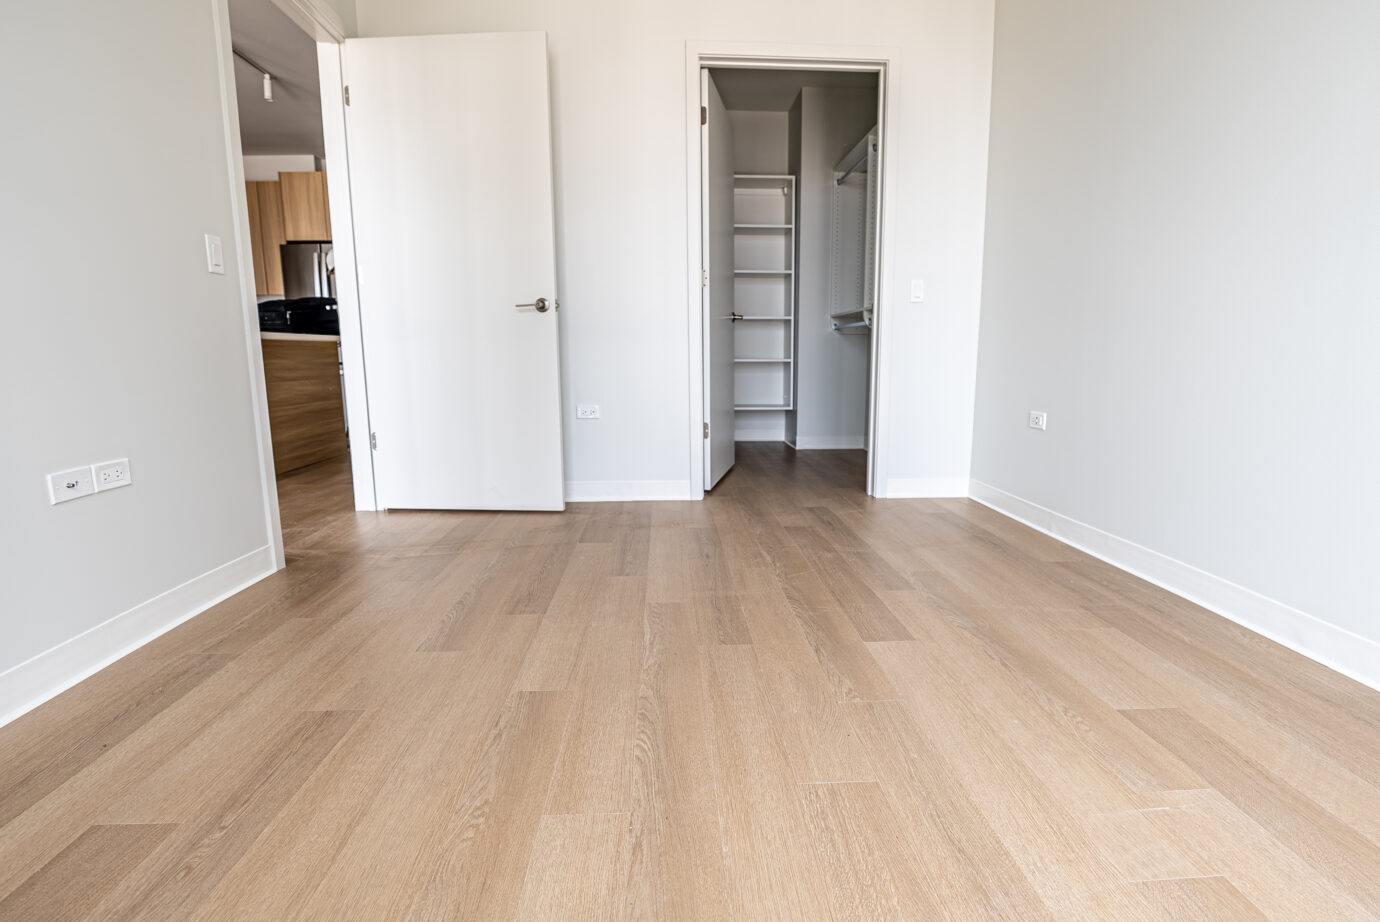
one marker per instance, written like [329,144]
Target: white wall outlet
[215,255]
[112,474]
[917,290]
[1039,419]
[587,411]
[65,485]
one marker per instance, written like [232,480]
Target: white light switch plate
[65,485]
[215,255]
[917,290]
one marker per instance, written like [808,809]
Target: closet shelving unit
[764,216]
[853,244]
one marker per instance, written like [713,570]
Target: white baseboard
[621,491]
[1338,649]
[32,682]
[827,442]
[926,487]
[760,435]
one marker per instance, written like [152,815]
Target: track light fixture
[268,78]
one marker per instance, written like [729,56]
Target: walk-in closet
[803,156]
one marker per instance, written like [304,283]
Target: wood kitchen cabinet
[266,234]
[306,210]
[306,413]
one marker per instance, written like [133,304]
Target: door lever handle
[539,305]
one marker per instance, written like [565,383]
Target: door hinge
[706,430]
[347,95]
[704,278]
[374,441]
[704,115]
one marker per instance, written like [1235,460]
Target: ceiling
[758,90]
[291,124]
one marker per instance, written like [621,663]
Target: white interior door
[450,176]
[716,185]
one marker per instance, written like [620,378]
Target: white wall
[1183,269]
[266,167]
[618,94]
[759,141]
[345,9]
[118,343]
[831,385]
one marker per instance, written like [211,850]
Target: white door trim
[321,23]
[330,71]
[885,62]
[315,18]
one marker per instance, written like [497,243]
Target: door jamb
[885,62]
[330,57]
[321,23]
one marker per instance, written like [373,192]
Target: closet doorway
[789,208]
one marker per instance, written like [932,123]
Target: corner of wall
[29,684]
[1334,647]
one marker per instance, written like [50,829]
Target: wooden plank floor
[786,702]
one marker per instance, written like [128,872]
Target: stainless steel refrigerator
[308,270]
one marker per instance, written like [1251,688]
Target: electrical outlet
[1039,419]
[65,485]
[587,411]
[112,474]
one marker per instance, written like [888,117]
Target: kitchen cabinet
[306,211]
[306,412]
[256,242]
[266,234]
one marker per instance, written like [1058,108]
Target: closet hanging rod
[856,163]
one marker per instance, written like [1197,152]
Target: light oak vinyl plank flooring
[789,701]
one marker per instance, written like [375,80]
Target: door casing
[883,61]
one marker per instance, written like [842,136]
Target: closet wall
[831,368]
[759,142]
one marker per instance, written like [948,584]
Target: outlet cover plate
[587,411]
[112,474]
[65,485]
[1039,419]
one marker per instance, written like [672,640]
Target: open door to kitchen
[450,171]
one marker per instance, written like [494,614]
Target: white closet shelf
[858,312]
[764,224]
